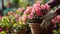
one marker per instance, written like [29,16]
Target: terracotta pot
[21,32]
[35,28]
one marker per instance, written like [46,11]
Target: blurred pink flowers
[30,16]
[58,18]
[39,13]
[43,7]
[37,9]
[28,10]
[54,21]
[16,16]
[47,7]
[20,10]
[24,18]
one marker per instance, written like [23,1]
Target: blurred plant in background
[56,23]
[23,3]
[12,22]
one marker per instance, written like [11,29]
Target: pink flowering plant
[11,23]
[33,14]
[14,25]
[20,11]
[56,24]
[14,21]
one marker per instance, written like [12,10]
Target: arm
[54,3]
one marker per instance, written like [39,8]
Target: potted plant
[33,16]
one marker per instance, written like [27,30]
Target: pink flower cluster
[56,20]
[28,10]
[36,10]
[30,16]
[16,16]
[20,10]
[47,7]
[24,18]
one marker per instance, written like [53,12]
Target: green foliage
[5,22]
[15,2]
[19,27]
[31,2]
[23,3]
[55,32]
[3,32]
[45,1]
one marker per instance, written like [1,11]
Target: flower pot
[35,28]
[21,32]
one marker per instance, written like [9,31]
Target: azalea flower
[58,18]
[37,9]
[20,10]
[28,10]
[47,7]
[30,16]
[16,16]
[39,13]
[53,21]
[24,18]
[43,7]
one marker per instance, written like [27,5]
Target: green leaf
[3,32]
[55,32]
